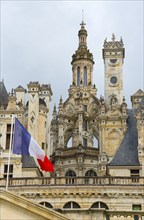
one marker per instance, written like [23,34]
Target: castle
[96,145]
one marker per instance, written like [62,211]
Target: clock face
[113,79]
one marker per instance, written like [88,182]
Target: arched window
[71,205]
[78,76]
[90,173]
[85,76]
[99,205]
[70,174]
[69,143]
[46,204]
[95,142]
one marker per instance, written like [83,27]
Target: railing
[97,181]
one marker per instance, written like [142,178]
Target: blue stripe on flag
[21,139]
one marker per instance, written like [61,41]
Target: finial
[12,92]
[61,99]
[123,98]
[82,15]
[113,37]
[82,24]
[54,109]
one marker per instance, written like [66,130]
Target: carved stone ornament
[70,110]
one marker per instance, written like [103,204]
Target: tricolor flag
[24,144]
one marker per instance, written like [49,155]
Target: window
[70,174]
[85,76]
[84,142]
[136,207]
[95,142]
[135,175]
[46,204]
[10,170]
[136,217]
[85,108]
[78,76]
[69,143]
[90,173]
[99,205]
[85,125]
[43,145]
[71,205]
[8,135]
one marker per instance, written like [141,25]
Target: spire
[82,52]
[82,34]
[54,112]
[54,109]
[82,24]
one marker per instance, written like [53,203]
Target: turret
[33,108]
[11,101]
[20,94]
[82,61]
[113,55]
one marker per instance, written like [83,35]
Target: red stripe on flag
[46,165]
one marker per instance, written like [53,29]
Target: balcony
[78,181]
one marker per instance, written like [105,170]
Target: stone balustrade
[42,181]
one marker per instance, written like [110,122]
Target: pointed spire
[12,92]
[82,34]
[54,112]
[54,109]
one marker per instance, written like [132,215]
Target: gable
[16,207]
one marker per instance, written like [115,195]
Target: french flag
[24,144]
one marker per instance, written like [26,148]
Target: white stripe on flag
[35,150]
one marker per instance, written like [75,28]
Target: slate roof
[3,95]
[28,162]
[127,154]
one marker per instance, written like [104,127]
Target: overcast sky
[38,39]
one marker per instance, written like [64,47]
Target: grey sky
[38,39]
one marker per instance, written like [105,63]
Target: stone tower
[38,108]
[33,108]
[113,55]
[86,131]
[74,131]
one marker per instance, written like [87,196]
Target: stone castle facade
[96,144]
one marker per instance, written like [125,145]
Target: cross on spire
[82,24]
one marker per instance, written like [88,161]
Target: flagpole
[10,147]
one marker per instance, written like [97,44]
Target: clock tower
[113,55]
